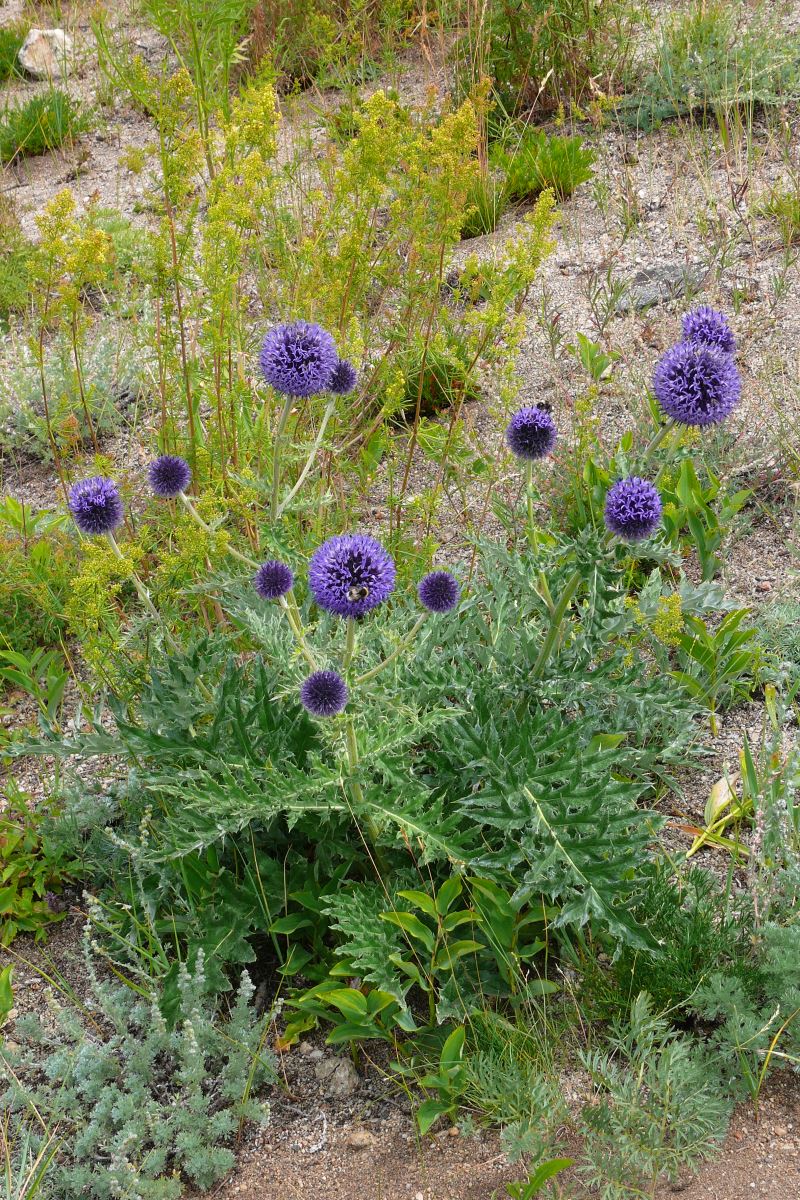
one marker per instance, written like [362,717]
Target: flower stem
[350,643]
[190,508]
[532,536]
[358,793]
[658,438]
[398,650]
[310,460]
[556,620]
[289,606]
[276,455]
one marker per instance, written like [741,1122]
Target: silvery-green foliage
[658,1107]
[111,376]
[516,1087]
[140,1102]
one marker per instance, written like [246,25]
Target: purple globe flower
[439,592]
[633,509]
[298,359]
[697,384]
[273,579]
[706,326]
[531,433]
[169,475]
[350,574]
[96,505]
[344,378]
[324,694]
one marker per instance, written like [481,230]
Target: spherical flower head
[706,326]
[633,509]
[324,694]
[344,378]
[697,384]
[169,475]
[531,433]
[439,592]
[298,359]
[273,579]
[350,574]
[96,505]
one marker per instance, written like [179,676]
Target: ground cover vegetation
[315,766]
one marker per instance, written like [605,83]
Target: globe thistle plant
[351,574]
[439,592]
[633,509]
[96,506]
[298,359]
[324,694]
[708,327]
[273,579]
[697,384]
[344,378]
[169,475]
[531,433]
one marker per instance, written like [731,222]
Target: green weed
[536,161]
[40,124]
[11,39]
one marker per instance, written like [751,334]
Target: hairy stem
[398,650]
[355,786]
[350,643]
[532,535]
[276,455]
[310,460]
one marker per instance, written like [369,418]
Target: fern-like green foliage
[658,1109]
[139,1101]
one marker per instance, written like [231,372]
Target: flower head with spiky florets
[273,579]
[706,326]
[531,433]
[324,694]
[633,509]
[439,592]
[344,378]
[96,505]
[350,574]
[697,384]
[169,475]
[298,359]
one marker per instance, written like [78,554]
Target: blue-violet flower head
[350,574]
[324,694]
[169,475]
[697,384]
[439,592]
[96,505]
[633,509]
[707,326]
[531,433]
[273,579]
[298,359]
[344,378]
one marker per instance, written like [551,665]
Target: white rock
[338,1077]
[46,53]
